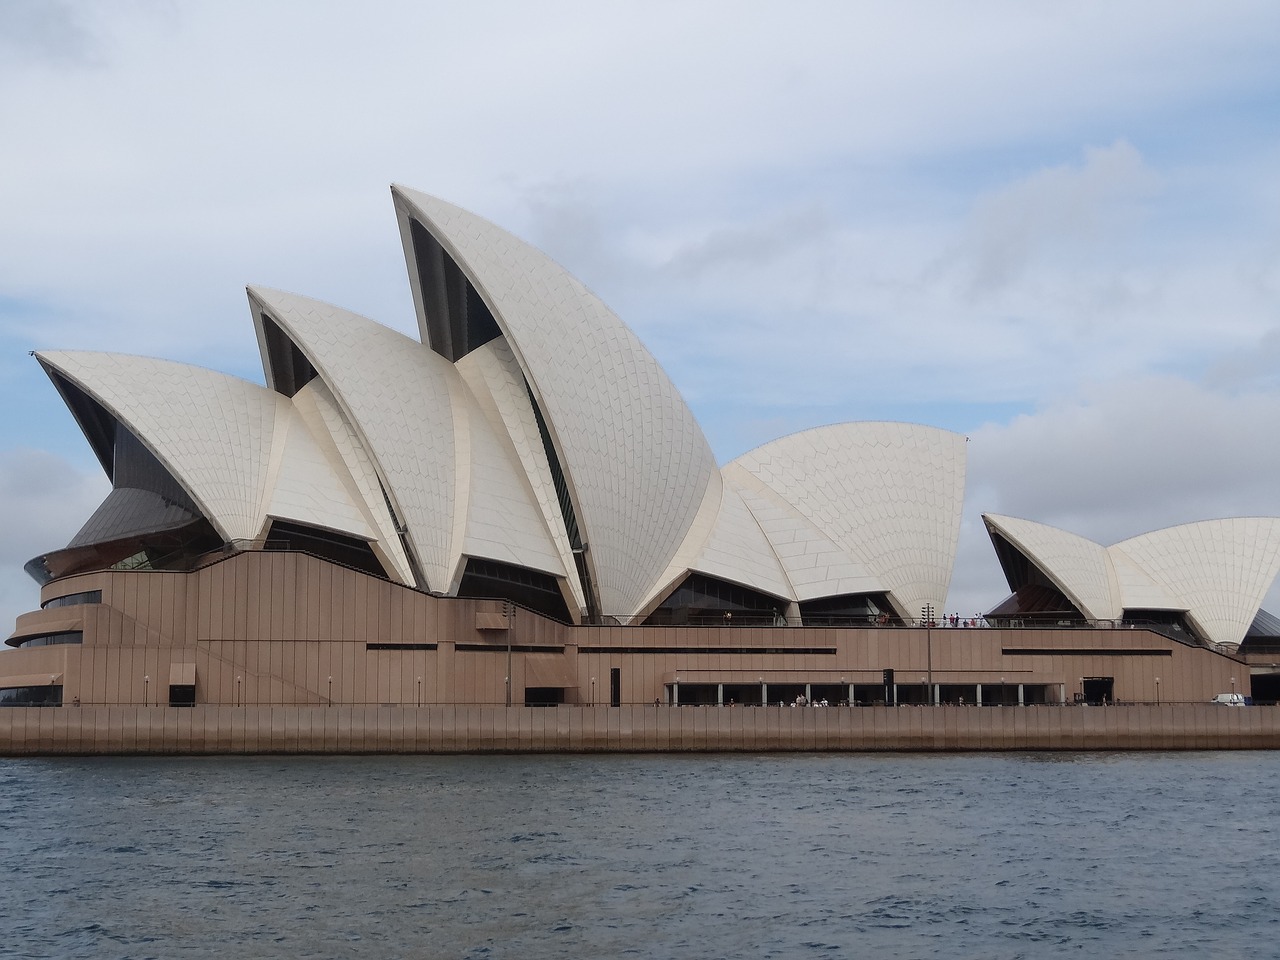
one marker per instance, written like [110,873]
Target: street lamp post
[1157,691]
[927,612]
[146,691]
[1233,687]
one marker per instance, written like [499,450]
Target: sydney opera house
[517,507]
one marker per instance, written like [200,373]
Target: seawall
[208,729]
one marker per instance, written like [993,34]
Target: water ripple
[723,856]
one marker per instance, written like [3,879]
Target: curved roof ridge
[212,431]
[390,388]
[1079,567]
[589,374]
[1220,570]
[863,486]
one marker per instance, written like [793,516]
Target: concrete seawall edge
[204,730]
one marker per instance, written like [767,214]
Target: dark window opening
[696,694]
[327,545]
[47,639]
[870,694]
[615,687]
[44,695]
[705,601]
[1168,623]
[1035,605]
[182,694]
[1265,689]
[492,580]
[147,520]
[543,696]
[403,533]
[1263,636]
[567,513]
[848,610]
[182,548]
[98,425]
[1098,691]
[557,474]
[290,368]
[73,600]
[737,694]
[457,318]
[1036,600]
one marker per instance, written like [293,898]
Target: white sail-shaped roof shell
[636,463]
[536,432]
[1078,567]
[241,452]
[1217,572]
[1219,569]
[851,508]
[456,485]
[397,396]
[859,508]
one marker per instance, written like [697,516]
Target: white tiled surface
[497,386]
[1079,567]
[1220,569]
[1217,571]
[880,503]
[213,432]
[396,395]
[458,483]
[317,406]
[842,509]
[635,458]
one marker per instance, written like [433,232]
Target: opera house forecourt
[511,534]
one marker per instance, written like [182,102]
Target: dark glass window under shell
[147,520]
[1168,623]
[73,599]
[706,601]
[290,369]
[47,639]
[45,695]
[325,544]
[458,321]
[848,610]
[490,579]
[1034,604]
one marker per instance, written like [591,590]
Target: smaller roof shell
[1217,572]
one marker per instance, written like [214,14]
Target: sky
[1053,227]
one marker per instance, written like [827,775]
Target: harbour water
[1032,855]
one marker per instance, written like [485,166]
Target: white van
[1229,699]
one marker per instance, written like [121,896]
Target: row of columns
[934,697]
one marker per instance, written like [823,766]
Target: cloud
[1069,213]
[1118,460]
[50,30]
